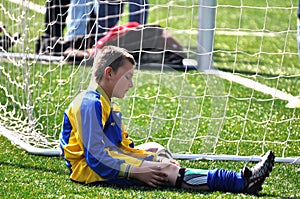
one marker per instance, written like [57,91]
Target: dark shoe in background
[6,39]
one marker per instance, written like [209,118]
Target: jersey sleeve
[96,146]
[126,148]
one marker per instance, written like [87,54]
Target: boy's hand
[152,175]
[169,161]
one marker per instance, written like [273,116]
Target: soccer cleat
[255,176]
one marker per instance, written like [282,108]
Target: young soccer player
[98,150]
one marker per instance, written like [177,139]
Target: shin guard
[191,177]
[195,177]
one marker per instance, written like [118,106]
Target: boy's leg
[78,18]
[157,148]
[55,22]
[138,11]
[108,14]
[256,175]
[55,17]
[248,181]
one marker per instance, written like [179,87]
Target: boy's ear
[107,72]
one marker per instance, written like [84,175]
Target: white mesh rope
[250,104]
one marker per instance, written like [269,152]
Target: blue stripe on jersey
[65,136]
[66,132]
[93,134]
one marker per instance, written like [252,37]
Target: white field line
[245,33]
[293,101]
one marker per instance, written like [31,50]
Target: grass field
[28,176]
[252,122]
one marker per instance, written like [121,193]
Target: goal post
[206,32]
[242,100]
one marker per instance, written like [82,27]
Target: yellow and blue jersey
[94,143]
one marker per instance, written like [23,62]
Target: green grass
[29,176]
[240,114]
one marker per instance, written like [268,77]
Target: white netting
[244,109]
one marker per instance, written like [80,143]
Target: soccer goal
[240,98]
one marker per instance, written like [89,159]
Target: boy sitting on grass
[97,150]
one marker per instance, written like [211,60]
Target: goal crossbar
[290,160]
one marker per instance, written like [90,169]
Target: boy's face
[123,80]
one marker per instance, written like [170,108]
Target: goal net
[230,93]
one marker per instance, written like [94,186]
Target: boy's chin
[119,96]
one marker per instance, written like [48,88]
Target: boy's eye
[128,77]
